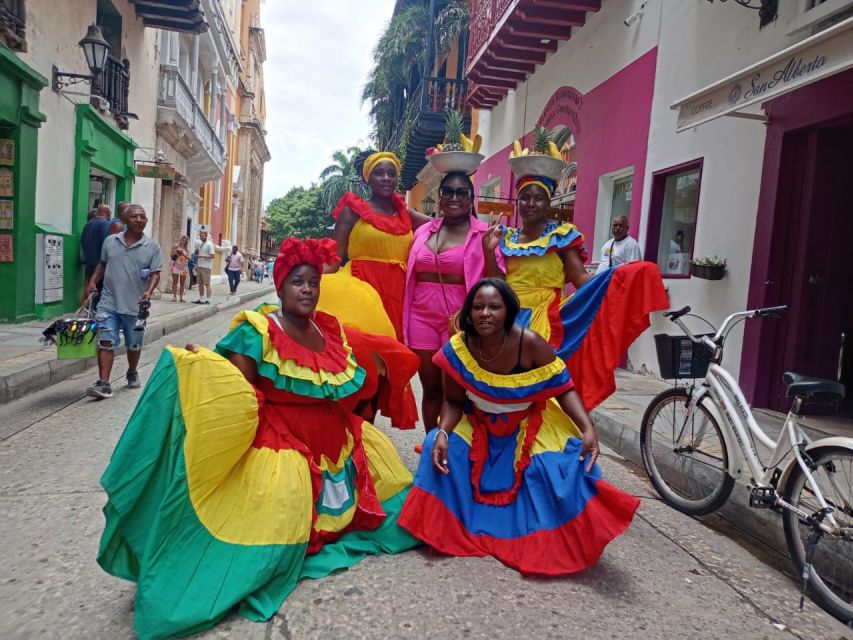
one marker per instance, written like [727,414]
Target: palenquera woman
[446,260]
[593,328]
[511,471]
[375,237]
[245,470]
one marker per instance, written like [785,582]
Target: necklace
[494,357]
[283,319]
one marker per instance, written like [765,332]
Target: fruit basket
[466,162]
[544,159]
[458,152]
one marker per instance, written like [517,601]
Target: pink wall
[610,124]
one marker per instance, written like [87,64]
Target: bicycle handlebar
[715,343]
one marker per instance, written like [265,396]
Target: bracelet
[446,435]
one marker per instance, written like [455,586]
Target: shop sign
[817,57]
[492,208]
[156,170]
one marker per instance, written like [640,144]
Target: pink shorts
[428,315]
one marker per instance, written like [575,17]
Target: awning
[816,57]
[172,15]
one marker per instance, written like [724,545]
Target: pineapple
[453,132]
[541,140]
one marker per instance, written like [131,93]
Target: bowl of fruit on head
[458,152]
[544,159]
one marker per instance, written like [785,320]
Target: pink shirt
[451,262]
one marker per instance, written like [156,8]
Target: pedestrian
[119,223]
[204,264]
[510,472]
[233,268]
[92,237]
[270,264]
[130,266]
[621,248]
[259,271]
[446,260]
[191,270]
[180,267]
[293,483]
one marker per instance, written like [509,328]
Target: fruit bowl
[463,161]
[537,165]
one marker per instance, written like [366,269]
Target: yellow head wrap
[374,159]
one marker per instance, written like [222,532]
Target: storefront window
[675,199]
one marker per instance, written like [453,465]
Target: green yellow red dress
[223,495]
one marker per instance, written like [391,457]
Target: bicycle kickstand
[811,542]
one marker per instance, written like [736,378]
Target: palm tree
[339,177]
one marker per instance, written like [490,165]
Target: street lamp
[95,49]
[428,206]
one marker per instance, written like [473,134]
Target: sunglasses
[460,194]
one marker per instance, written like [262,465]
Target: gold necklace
[497,355]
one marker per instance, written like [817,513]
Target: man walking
[119,223]
[233,268]
[95,231]
[130,266]
[621,248]
[203,267]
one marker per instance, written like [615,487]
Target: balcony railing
[176,95]
[12,32]
[444,94]
[114,86]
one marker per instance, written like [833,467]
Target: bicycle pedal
[762,498]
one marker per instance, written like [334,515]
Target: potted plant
[708,268]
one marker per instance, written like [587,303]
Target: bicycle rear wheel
[689,470]
[831,574]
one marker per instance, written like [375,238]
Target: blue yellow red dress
[516,488]
[367,292]
[592,329]
[223,495]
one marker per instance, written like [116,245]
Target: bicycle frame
[728,402]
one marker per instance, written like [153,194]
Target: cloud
[318,56]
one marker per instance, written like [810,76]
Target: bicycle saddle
[808,387]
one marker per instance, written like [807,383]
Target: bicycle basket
[680,357]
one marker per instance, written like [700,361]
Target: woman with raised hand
[245,470]
[446,260]
[511,472]
[591,329]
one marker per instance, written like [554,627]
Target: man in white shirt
[621,248]
[204,265]
[233,268]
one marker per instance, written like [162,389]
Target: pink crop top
[451,262]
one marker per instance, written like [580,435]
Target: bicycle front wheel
[685,456]
[831,573]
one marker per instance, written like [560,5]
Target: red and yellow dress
[593,328]
[378,252]
[223,494]
[367,293]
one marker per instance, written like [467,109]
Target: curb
[762,524]
[40,375]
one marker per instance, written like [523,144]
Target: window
[672,218]
[615,192]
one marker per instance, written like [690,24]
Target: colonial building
[719,129]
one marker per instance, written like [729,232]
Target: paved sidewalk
[618,421]
[27,366]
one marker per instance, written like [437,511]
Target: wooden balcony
[12,25]
[185,16]
[114,85]
[510,37]
[427,110]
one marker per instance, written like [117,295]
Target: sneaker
[133,380]
[100,390]
[199,301]
[206,302]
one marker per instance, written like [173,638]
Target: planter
[707,272]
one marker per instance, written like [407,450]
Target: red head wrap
[294,252]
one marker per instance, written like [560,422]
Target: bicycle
[696,442]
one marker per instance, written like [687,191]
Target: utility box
[49,268]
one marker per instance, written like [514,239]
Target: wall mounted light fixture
[95,49]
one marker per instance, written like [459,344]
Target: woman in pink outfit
[445,260]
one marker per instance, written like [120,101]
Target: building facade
[718,130]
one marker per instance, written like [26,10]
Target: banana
[440,147]
[516,149]
[525,151]
[466,142]
[554,151]
[478,141]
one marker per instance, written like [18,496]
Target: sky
[318,56]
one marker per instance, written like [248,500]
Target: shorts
[110,323]
[428,314]
[202,275]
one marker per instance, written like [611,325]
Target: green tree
[298,213]
[339,177]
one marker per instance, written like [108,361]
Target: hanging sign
[822,55]
[155,170]
[494,208]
